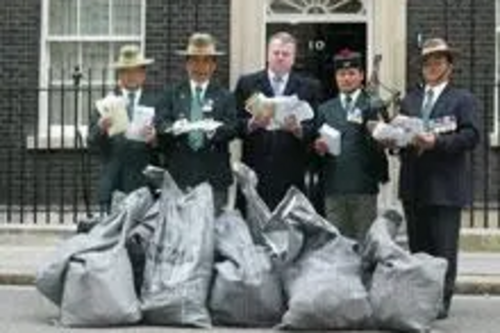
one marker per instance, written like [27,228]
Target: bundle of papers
[113,108]
[143,117]
[401,130]
[279,108]
[333,139]
[185,126]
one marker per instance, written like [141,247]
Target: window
[84,34]
[316,7]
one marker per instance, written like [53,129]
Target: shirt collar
[203,86]
[137,96]
[354,96]
[437,90]
[271,75]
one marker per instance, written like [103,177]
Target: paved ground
[23,310]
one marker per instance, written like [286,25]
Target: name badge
[208,106]
[355,116]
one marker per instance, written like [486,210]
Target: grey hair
[284,37]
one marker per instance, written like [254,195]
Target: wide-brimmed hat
[437,45]
[201,44]
[347,58]
[130,57]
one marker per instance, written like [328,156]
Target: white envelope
[114,108]
[333,139]
[143,116]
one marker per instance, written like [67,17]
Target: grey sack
[246,289]
[179,260]
[406,294]
[50,276]
[323,281]
[90,276]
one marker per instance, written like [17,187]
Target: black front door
[318,43]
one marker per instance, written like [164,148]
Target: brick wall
[51,176]
[169,25]
[469,26]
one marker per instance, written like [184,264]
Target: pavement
[23,248]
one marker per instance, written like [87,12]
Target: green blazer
[362,163]
[122,160]
[210,163]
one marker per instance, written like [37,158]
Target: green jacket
[362,163]
[122,160]
[210,163]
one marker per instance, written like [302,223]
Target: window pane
[62,17]
[95,56]
[63,59]
[94,17]
[126,17]
[62,108]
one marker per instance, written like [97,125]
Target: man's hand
[104,123]
[320,146]
[149,133]
[293,126]
[424,141]
[259,121]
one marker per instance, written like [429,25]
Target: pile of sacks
[166,260]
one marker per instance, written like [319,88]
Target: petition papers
[114,108]
[279,108]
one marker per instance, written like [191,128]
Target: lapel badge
[208,105]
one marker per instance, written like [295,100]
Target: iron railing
[48,175]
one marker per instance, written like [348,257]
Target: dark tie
[131,105]
[348,103]
[427,106]
[196,137]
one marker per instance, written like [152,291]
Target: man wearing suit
[198,156]
[278,156]
[352,178]
[433,183]
[124,155]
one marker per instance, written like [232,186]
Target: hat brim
[449,51]
[201,54]
[142,63]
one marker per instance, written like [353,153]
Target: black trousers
[435,230]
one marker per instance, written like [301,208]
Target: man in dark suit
[351,179]
[277,155]
[433,183]
[198,156]
[124,154]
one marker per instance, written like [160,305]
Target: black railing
[49,176]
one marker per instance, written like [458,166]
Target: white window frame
[495,136]
[63,136]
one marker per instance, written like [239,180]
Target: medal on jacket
[355,116]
